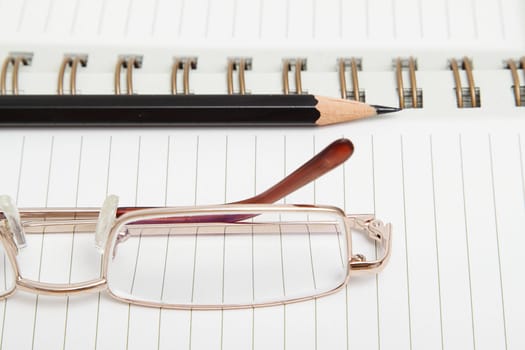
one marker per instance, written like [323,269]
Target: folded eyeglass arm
[329,158]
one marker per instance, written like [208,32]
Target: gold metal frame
[85,220]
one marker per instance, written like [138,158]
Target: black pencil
[29,110]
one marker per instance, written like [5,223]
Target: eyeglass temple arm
[329,158]
[379,232]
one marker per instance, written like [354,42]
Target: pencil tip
[385,109]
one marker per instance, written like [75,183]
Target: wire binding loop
[14,59]
[408,98]
[299,65]
[355,65]
[240,64]
[72,61]
[518,90]
[186,64]
[129,62]
[468,97]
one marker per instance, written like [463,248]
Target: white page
[419,190]
[450,181]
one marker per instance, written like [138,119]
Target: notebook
[449,179]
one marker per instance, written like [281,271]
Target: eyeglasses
[242,255]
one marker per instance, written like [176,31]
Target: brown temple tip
[330,157]
[343,147]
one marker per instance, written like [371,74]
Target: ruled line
[406,240]
[154,23]
[314,20]
[128,16]
[374,196]
[281,246]
[367,19]
[341,19]
[436,240]
[137,176]
[261,11]
[496,223]
[194,203]
[101,17]
[224,240]
[347,322]
[475,19]
[207,22]
[101,258]
[253,269]
[234,19]
[394,18]
[316,338]
[420,18]
[48,14]
[195,242]
[132,287]
[181,17]
[73,239]
[467,240]
[166,252]
[21,16]
[287,29]
[74,18]
[42,240]
[447,17]
[502,20]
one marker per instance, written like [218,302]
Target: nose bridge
[37,287]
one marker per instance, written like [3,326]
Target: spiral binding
[186,64]
[466,97]
[519,90]
[128,62]
[411,97]
[71,60]
[298,65]
[15,59]
[241,64]
[408,98]
[354,64]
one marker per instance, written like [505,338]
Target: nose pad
[13,221]
[106,218]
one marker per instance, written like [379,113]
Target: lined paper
[455,200]
[470,22]
[454,189]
